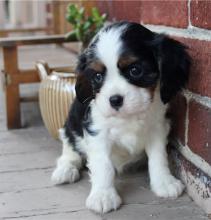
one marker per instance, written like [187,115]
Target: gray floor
[27,158]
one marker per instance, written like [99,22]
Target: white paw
[103,201]
[168,187]
[65,174]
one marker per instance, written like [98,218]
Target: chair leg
[12,90]
[13,107]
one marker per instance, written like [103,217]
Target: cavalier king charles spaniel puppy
[125,80]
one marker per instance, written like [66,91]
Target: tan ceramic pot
[56,94]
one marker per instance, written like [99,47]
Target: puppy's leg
[103,196]
[162,182]
[68,164]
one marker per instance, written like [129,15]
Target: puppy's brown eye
[135,71]
[98,78]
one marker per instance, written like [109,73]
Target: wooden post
[3,34]
[12,90]
[56,17]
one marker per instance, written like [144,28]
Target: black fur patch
[135,39]
[79,118]
[174,63]
[87,122]
[74,121]
[86,88]
[158,53]
[148,76]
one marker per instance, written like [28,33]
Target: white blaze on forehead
[109,45]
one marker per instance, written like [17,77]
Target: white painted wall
[2,14]
[40,14]
[28,13]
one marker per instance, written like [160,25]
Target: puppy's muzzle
[116,101]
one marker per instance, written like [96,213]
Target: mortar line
[190,32]
[203,100]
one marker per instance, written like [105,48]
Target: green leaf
[72,9]
[71,35]
[87,25]
[95,13]
[79,34]
[71,19]
[90,19]
[84,27]
[81,12]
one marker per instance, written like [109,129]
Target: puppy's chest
[129,135]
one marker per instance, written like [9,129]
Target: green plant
[84,27]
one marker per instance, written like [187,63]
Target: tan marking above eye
[125,61]
[97,66]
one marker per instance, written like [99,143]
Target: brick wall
[189,21]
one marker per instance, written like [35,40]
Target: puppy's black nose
[116,101]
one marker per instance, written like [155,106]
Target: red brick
[132,10]
[170,13]
[201,13]
[199,130]
[106,7]
[200,76]
[127,10]
[121,10]
[177,110]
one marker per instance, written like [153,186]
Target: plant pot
[56,94]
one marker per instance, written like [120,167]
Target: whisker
[88,99]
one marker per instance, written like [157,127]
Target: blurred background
[16,14]
[43,15]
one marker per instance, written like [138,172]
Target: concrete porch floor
[27,158]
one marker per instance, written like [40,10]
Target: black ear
[83,87]
[174,64]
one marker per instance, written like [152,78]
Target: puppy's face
[120,70]
[126,86]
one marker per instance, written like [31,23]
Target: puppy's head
[125,63]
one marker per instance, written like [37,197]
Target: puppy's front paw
[65,174]
[103,201]
[168,187]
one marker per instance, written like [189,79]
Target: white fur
[139,125]
[68,164]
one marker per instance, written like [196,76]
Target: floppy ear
[174,64]
[83,87]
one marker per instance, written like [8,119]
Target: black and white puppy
[126,77]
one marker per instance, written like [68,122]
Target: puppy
[126,78]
